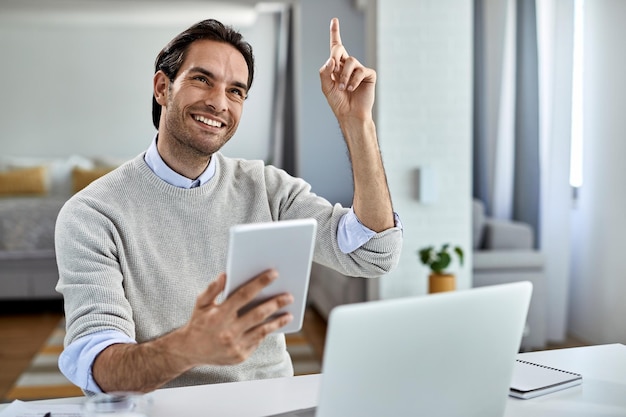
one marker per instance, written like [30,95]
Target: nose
[216,99]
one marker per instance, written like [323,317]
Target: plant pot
[441,283]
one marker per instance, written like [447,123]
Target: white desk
[602,393]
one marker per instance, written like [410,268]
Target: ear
[160,84]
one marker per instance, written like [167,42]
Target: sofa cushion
[329,289]
[23,181]
[490,260]
[58,170]
[83,177]
[27,223]
[478,223]
[507,235]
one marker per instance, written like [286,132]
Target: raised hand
[348,85]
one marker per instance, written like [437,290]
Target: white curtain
[523,76]
[556,34]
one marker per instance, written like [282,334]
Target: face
[203,105]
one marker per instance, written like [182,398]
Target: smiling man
[141,251]
[203,105]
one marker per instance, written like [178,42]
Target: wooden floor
[21,336]
[314,329]
[23,333]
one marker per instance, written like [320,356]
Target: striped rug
[43,380]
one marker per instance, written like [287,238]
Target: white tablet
[286,246]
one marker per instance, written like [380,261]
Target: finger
[253,338]
[335,35]
[350,67]
[208,296]
[255,335]
[252,316]
[358,75]
[266,309]
[247,292]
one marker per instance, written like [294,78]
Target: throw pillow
[23,181]
[58,170]
[83,177]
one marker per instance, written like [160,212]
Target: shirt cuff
[77,358]
[352,234]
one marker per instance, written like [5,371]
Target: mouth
[207,121]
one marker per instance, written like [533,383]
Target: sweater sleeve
[292,198]
[89,274]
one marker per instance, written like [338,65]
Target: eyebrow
[209,74]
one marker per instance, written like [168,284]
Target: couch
[32,191]
[502,253]
[28,267]
[329,288]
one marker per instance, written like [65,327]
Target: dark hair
[172,56]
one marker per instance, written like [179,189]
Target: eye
[201,78]
[238,92]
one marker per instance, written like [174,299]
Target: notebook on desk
[532,379]
[446,354]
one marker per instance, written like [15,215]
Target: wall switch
[425,185]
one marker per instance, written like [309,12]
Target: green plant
[439,260]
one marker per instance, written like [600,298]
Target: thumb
[326,75]
[208,296]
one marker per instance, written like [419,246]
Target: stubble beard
[188,142]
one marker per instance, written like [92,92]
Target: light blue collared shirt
[167,174]
[77,358]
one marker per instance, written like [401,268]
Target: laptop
[445,354]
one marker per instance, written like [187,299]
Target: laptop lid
[445,354]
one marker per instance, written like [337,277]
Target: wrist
[359,134]
[352,121]
[174,348]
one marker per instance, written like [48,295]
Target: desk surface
[602,393]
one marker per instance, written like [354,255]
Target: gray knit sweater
[134,252]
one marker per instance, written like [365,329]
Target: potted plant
[438,260]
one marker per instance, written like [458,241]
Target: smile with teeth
[209,122]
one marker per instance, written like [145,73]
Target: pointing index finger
[335,36]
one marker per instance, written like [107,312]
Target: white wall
[424,108]
[598,288]
[81,82]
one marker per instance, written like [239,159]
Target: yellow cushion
[23,181]
[83,177]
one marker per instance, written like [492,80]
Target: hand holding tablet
[286,246]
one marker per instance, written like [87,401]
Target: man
[141,251]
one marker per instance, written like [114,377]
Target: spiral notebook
[532,379]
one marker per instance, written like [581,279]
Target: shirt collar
[167,174]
